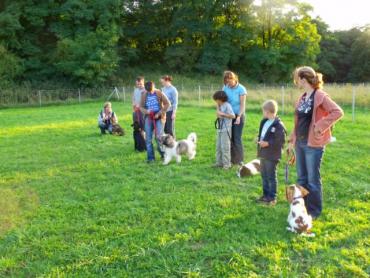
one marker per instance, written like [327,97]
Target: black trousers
[169,126]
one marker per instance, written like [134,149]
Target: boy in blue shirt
[271,139]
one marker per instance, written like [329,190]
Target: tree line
[90,43]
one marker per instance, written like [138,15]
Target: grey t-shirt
[136,97]
[225,123]
[172,95]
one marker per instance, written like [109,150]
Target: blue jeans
[103,127]
[308,161]
[237,151]
[149,128]
[269,177]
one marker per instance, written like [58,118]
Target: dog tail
[192,137]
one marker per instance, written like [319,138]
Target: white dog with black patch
[249,169]
[174,149]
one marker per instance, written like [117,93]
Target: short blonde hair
[107,104]
[270,106]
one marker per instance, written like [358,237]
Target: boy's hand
[237,121]
[263,144]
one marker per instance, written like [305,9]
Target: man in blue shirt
[171,92]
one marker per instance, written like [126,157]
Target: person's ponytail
[315,79]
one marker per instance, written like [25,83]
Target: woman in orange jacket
[315,114]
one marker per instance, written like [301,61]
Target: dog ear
[244,171]
[303,190]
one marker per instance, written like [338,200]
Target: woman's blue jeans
[149,132]
[308,160]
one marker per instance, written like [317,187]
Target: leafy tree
[360,52]
[11,66]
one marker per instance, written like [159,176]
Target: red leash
[153,119]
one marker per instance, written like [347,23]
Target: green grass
[77,204]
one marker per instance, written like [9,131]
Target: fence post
[199,95]
[79,95]
[353,103]
[124,94]
[282,99]
[40,102]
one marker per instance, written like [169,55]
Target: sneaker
[263,199]
[216,165]
[272,202]
[226,167]
[150,161]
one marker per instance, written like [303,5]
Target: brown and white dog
[250,169]
[298,219]
[174,149]
[117,130]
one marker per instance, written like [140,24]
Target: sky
[342,14]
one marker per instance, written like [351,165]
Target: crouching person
[107,118]
[153,105]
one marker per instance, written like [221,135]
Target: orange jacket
[325,114]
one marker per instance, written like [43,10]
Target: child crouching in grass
[225,115]
[271,139]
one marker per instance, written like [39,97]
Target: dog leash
[153,120]
[289,162]
[220,126]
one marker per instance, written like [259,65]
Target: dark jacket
[275,136]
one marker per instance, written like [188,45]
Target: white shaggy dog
[174,149]
[249,169]
[298,219]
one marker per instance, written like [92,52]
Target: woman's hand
[219,114]
[237,120]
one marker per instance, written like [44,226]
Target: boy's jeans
[269,178]
[103,127]
[308,161]
[223,148]
[149,128]
[237,151]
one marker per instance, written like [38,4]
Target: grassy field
[77,204]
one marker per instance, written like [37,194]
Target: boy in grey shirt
[225,115]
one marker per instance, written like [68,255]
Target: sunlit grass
[75,203]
